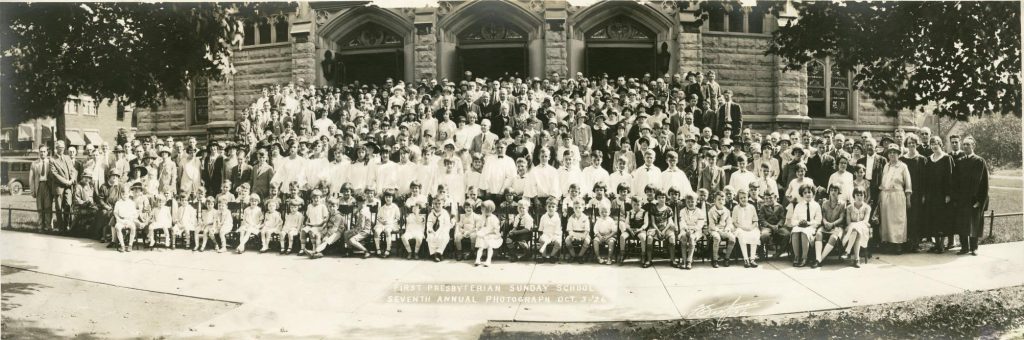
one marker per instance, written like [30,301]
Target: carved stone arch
[654,19]
[345,22]
[647,17]
[495,18]
[470,12]
[342,24]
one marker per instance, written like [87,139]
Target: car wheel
[15,188]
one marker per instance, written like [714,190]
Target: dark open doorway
[371,68]
[494,62]
[620,61]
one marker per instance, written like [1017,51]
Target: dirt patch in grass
[976,314]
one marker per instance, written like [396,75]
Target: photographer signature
[726,309]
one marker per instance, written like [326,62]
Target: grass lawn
[977,314]
[1009,228]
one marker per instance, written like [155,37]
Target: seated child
[272,224]
[551,233]
[519,236]
[252,222]
[466,228]
[604,234]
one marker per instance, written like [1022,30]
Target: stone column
[425,57]
[790,87]
[303,52]
[425,51]
[690,48]
[555,47]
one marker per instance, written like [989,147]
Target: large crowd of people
[626,167]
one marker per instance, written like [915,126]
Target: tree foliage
[961,59]
[137,53]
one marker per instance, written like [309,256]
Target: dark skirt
[939,218]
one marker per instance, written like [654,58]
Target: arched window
[281,29]
[201,102]
[249,32]
[828,89]
[736,19]
[265,31]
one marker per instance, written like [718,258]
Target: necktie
[808,211]
[437,222]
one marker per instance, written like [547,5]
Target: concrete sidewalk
[392,298]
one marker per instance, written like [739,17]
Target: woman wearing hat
[894,198]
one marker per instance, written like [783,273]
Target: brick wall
[743,68]
[257,68]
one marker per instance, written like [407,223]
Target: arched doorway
[600,36]
[369,54]
[493,48]
[620,47]
[489,38]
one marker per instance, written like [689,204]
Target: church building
[324,43]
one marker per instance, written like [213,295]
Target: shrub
[999,140]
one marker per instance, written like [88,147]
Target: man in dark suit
[873,165]
[729,114]
[820,165]
[61,178]
[213,170]
[41,188]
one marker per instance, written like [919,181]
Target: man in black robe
[970,196]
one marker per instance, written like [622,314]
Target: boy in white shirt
[604,234]
[579,232]
[126,216]
[466,229]
[551,234]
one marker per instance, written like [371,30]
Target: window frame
[193,98]
[253,24]
[723,13]
[827,86]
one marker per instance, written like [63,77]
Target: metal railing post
[991,221]
[10,213]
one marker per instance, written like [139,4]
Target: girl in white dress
[744,217]
[252,222]
[551,233]
[414,222]
[186,218]
[488,237]
[163,219]
[272,224]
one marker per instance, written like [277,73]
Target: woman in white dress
[858,232]
[804,217]
[894,199]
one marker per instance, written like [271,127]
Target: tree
[136,53]
[961,57]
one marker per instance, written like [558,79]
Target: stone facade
[771,98]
